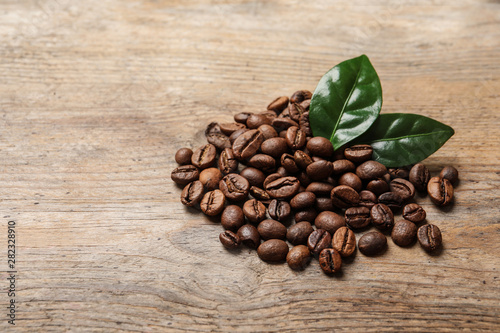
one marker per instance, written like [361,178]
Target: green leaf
[400,139]
[346,101]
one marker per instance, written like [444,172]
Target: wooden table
[97,96]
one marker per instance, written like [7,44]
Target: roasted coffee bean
[282,188]
[329,221]
[256,120]
[288,162]
[227,161]
[254,210]
[192,193]
[318,240]
[367,199]
[378,186]
[320,188]
[281,124]
[273,250]
[279,210]
[296,110]
[247,144]
[404,188]
[344,241]
[295,138]
[419,176]
[402,172]
[302,159]
[303,200]
[232,218]
[204,156]
[274,147]
[429,237]
[414,212]
[308,215]
[210,178]
[449,173]
[324,204]
[303,179]
[299,233]
[267,131]
[372,243]
[330,261]
[404,233]
[358,153]
[282,172]
[229,239]
[236,134]
[183,156]
[212,128]
[213,203]
[357,217]
[320,146]
[260,194]
[234,187]
[306,104]
[279,104]
[269,114]
[271,177]
[304,123]
[249,236]
[271,229]
[352,180]
[219,140]
[382,216]
[262,162]
[254,176]
[300,96]
[371,170]
[319,170]
[344,196]
[229,128]
[440,191]
[298,257]
[242,117]
[185,174]
[343,166]
[391,199]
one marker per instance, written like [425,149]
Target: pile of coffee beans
[274,185]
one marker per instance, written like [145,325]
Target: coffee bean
[232,218]
[319,170]
[213,128]
[282,172]
[288,162]
[404,188]
[440,191]
[271,229]
[382,216]
[402,172]
[237,134]
[429,237]
[242,117]
[249,236]
[308,215]
[299,233]
[414,212]
[320,146]
[391,199]
[260,194]
[279,210]
[279,104]
[318,240]
[344,241]
[357,217]
[404,233]
[352,180]
[344,196]
[282,188]
[324,204]
[263,162]
[183,156]
[254,176]
[254,210]
[295,138]
[303,200]
[273,250]
[367,199]
[372,243]
[378,186]
[219,140]
[304,123]
[329,221]
[281,124]
[342,166]
[300,96]
[271,178]
[371,170]
[298,257]
[358,153]
[303,179]
[320,188]
[229,128]
[267,131]
[274,147]
[449,173]
[306,104]
[234,187]
[213,203]
[192,193]
[204,156]
[302,159]
[247,144]
[330,261]
[419,176]
[185,174]
[229,239]
[227,161]
[256,120]
[295,110]
[210,178]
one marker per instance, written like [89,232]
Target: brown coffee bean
[344,241]
[271,178]
[210,178]
[273,250]
[236,134]
[329,221]
[204,156]
[260,194]
[378,186]
[296,110]
[229,128]
[414,212]
[419,176]
[288,162]
[232,218]
[303,179]
[219,140]
[306,104]
[192,193]
[357,217]
[371,170]
[254,210]
[213,203]
[229,240]
[281,123]
[304,123]
[449,173]
[319,170]
[249,236]
[343,166]
[402,172]
[320,188]
[308,215]
[318,240]
[429,237]
[282,188]
[185,174]
[298,257]
[440,191]
[300,96]
[391,199]
[263,162]
[303,200]
[299,233]
[247,144]
[295,138]
[234,187]
[358,153]
[404,188]
[227,161]
[372,243]
[404,233]
[256,120]
[274,147]
[242,117]
[271,229]
[382,216]
[279,104]
[267,131]
[212,128]
[330,261]
[254,176]
[367,199]
[302,159]
[352,180]
[320,146]
[282,172]
[183,156]
[344,196]
[279,210]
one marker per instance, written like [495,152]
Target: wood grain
[96,97]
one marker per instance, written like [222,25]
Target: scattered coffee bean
[256,120]
[232,218]
[213,203]
[229,239]
[382,216]
[330,261]
[247,144]
[402,172]
[324,204]
[391,199]
[298,257]
[227,161]
[185,174]
[284,187]
[288,162]
[371,170]
[254,210]
[318,240]
[320,188]
[367,199]
[344,241]
[279,104]
[319,170]
[343,166]
[234,187]
[378,186]
[242,117]
[302,159]
[260,194]
[249,236]
[279,210]
[303,200]
[192,193]
[357,217]
[273,250]
[267,131]
[372,243]
[295,138]
[271,229]
[429,237]
[419,176]
[263,162]
[299,233]
[344,196]
[404,188]
[358,153]
[440,191]
[229,128]
[204,156]
[320,146]
[414,212]
[449,173]
[329,221]
[237,134]
[404,233]
[254,176]
[308,215]
[352,180]
[210,178]
[300,96]
[183,156]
